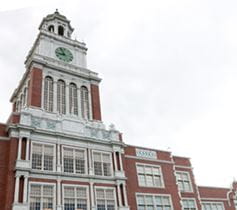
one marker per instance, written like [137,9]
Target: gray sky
[169,71]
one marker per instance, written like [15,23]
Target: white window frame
[75,186]
[106,188]
[46,104]
[73,101]
[150,165]
[54,156]
[42,184]
[87,116]
[211,203]
[189,178]
[193,199]
[153,197]
[74,166]
[61,97]
[111,162]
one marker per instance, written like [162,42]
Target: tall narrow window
[61,97]
[48,94]
[60,30]
[51,28]
[85,103]
[25,97]
[21,101]
[73,105]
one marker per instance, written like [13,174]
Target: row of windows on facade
[152,202]
[61,98]
[74,161]
[151,176]
[76,197]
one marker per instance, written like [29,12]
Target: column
[125,195]
[67,98]
[90,162]
[119,195]
[55,96]
[27,148]
[58,192]
[120,160]
[16,194]
[58,158]
[79,102]
[19,148]
[25,189]
[115,161]
[92,195]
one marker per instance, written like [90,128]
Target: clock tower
[65,156]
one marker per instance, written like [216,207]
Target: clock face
[64,54]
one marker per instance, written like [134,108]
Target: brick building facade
[56,153]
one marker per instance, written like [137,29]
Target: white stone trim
[158,161]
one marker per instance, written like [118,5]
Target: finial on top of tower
[57,12]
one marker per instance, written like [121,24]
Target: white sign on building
[146,153]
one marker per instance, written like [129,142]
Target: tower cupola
[58,24]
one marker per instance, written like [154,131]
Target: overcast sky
[169,71]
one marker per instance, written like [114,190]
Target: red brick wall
[168,178]
[35,88]
[95,98]
[12,155]
[213,192]
[182,161]
[3,131]
[4,149]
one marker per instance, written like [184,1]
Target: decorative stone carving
[36,122]
[51,124]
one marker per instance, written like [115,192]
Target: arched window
[61,97]
[51,28]
[85,103]
[73,105]
[60,30]
[48,94]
